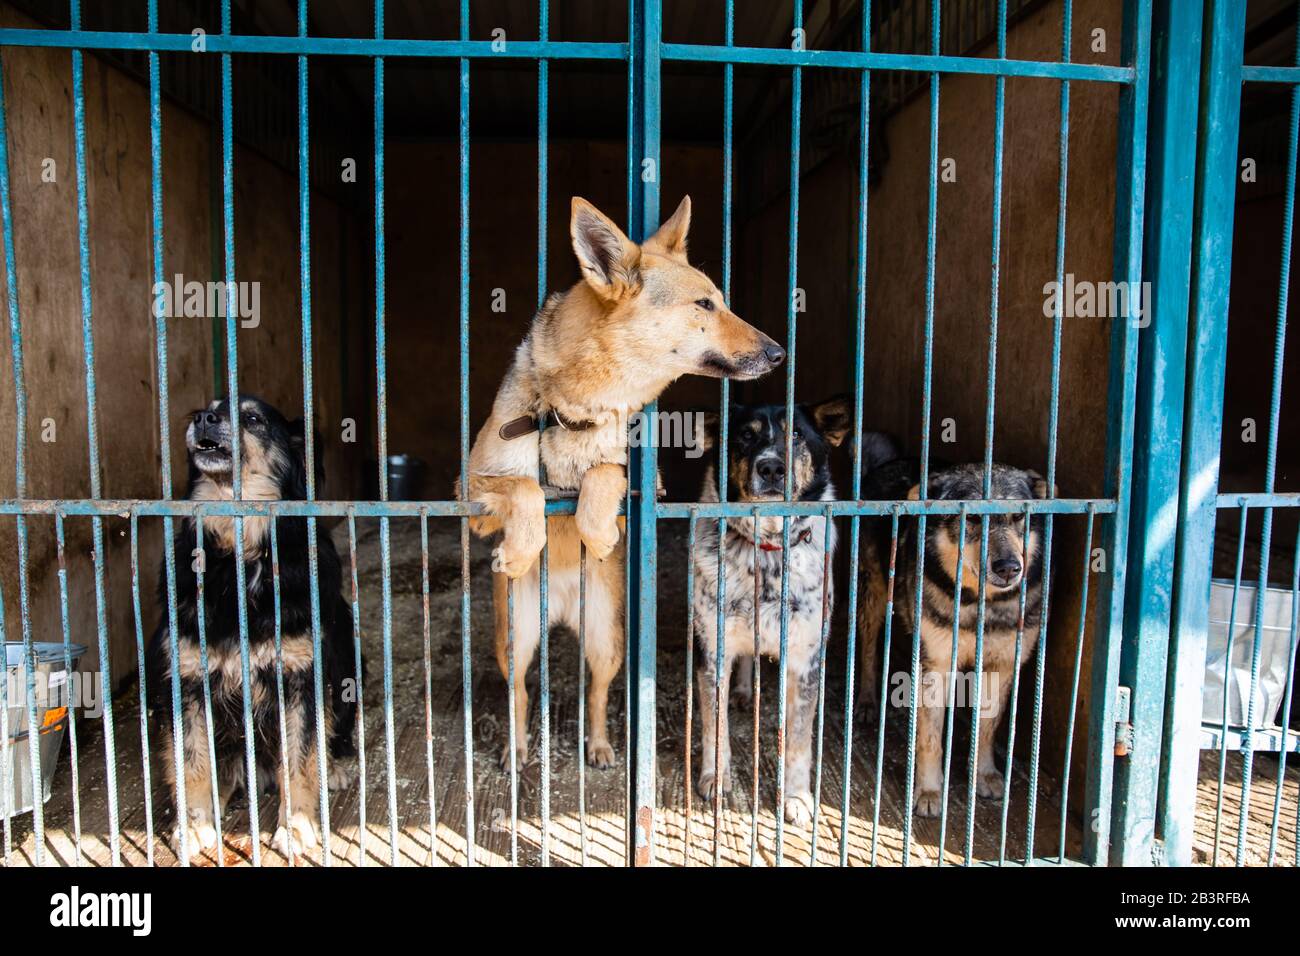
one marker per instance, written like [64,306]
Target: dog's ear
[914,493]
[1039,484]
[833,418]
[609,260]
[670,239]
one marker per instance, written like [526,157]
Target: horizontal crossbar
[124,507]
[1259,499]
[845,509]
[1270,74]
[913,62]
[328,46]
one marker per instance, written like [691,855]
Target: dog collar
[804,535]
[527,424]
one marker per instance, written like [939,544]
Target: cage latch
[1123,727]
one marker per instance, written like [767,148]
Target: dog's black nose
[775,354]
[771,470]
[1006,568]
[206,417]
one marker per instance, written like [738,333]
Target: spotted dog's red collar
[804,535]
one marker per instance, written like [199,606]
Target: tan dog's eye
[705,304]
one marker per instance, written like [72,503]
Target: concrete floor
[596,832]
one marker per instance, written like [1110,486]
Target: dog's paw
[296,835]
[928,803]
[513,562]
[342,773]
[600,754]
[799,809]
[600,537]
[200,834]
[521,755]
[709,784]
[989,784]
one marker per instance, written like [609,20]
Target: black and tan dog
[639,318]
[273,468]
[1014,552]
[756,471]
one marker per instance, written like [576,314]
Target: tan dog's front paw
[600,754]
[600,537]
[710,784]
[513,562]
[799,809]
[928,803]
[603,487]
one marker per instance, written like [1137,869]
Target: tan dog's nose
[774,354]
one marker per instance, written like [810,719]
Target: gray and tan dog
[752,560]
[1014,553]
[640,318]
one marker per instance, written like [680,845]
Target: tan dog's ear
[914,493]
[1039,484]
[609,260]
[833,418]
[670,239]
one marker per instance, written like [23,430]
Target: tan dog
[640,318]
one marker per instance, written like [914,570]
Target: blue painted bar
[67,662]
[1121,396]
[1198,498]
[544,621]
[362,830]
[20,482]
[926,383]
[859,358]
[1227,654]
[381,405]
[999,110]
[1286,702]
[226,43]
[283,782]
[1074,690]
[1270,467]
[201,626]
[141,687]
[92,430]
[1157,448]
[1270,74]
[647,24]
[950,704]
[309,435]
[236,442]
[467,680]
[884,685]
[907,62]
[1013,702]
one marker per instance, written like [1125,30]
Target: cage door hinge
[1123,726]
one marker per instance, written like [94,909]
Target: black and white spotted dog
[756,471]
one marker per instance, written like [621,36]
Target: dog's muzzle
[208,440]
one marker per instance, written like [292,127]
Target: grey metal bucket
[1233,676]
[53,710]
